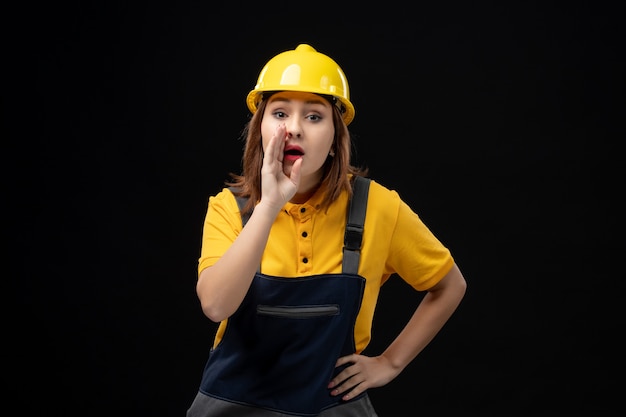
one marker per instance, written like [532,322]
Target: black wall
[498,122]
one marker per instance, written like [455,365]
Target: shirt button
[305,260]
[304,234]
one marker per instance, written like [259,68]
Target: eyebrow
[311,101]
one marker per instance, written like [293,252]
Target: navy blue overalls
[279,349]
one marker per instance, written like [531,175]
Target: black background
[498,122]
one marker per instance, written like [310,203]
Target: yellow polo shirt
[308,240]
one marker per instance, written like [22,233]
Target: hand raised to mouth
[276,185]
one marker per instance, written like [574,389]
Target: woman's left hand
[363,372]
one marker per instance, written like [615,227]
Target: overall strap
[241,202]
[354,225]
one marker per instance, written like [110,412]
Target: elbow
[212,304]
[459,282]
[462,290]
[462,285]
[215,313]
[212,307]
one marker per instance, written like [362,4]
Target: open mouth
[293,152]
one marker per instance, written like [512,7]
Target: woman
[295,309]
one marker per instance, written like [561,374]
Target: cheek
[329,142]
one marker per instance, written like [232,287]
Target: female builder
[295,308]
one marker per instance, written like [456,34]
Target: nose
[294,129]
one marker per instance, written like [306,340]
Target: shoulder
[382,198]
[223,198]
[224,205]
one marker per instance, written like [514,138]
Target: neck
[304,193]
[303,197]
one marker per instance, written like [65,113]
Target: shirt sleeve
[222,225]
[416,254]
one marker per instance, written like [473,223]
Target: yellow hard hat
[303,69]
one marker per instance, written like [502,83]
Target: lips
[292,153]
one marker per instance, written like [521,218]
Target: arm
[430,316]
[222,287]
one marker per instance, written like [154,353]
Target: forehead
[291,96]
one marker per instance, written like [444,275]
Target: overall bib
[279,349]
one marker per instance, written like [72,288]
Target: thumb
[295,172]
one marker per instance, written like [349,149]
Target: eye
[314,117]
[279,114]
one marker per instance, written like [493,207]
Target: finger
[340,381]
[359,388]
[346,359]
[279,142]
[273,149]
[295,172]
[270,152]
[348,387]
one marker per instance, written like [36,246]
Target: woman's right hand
[277,188]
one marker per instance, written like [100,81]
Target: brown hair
[336,168]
